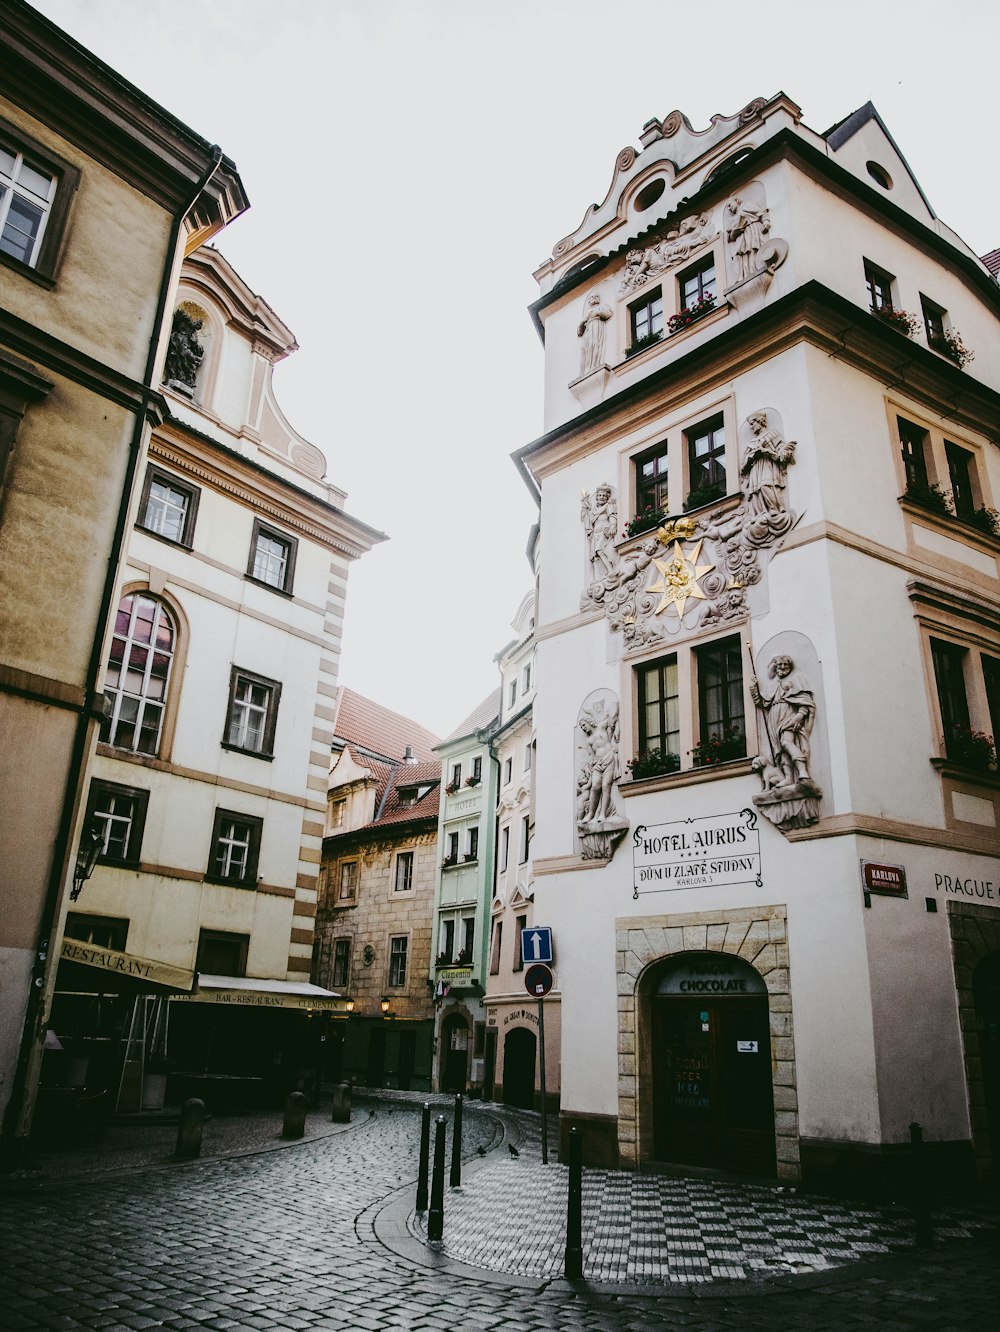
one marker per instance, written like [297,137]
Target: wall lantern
[384,1005]
[91,846]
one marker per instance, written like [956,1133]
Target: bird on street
[513,1150]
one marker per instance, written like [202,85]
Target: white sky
[410,162]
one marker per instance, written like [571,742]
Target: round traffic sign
[538,980]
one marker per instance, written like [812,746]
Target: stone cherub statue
[184,351]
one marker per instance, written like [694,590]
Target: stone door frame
[758,935]
[975,934]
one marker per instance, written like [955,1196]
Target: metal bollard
[294,1123]
[923,1225]
[573,1264]
[190,1130]
[341,1113]
[425,1151]
[435,1217]
[456,1145]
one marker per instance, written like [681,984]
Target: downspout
[18,1112]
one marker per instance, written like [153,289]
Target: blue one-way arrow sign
[536,944]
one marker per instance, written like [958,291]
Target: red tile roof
[992,262]
[477,720]
[360,721]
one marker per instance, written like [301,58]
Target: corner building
[768,658]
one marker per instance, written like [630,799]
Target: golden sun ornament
[678,581]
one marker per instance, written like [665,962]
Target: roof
[487,711]
[367,725]
[992,262]
[394,778]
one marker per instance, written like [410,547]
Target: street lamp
[91,846]
[349,1005]
[384,1005]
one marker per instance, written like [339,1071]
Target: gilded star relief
[678,582]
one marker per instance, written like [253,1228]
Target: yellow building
[102,192]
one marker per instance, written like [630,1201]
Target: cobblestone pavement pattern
[289,1241]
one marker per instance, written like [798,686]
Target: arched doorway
[454,1052]
[986,996]
[519,1048]
[713,1103]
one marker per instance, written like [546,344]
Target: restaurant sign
[319,1003]
[696,853]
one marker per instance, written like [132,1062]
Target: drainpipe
[17,1117]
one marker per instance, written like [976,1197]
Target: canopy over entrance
[253,992]
[87,969]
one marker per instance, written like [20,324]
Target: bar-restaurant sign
[696,853]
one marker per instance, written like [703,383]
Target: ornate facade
[768,566]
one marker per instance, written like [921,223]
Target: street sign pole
[541,1057]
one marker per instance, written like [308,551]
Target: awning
[137,973]
[254,992]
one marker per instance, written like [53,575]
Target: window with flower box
[651,500]
[696,286]
[943,476]
[721,710]
[878,284]
[645,321]
[706,462]
[699,453]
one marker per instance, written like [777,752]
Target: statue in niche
[591,329]
[599,515]
[789,797]
[764,472]
[751,223]
[184,351]
[597,819]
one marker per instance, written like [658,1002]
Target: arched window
[138,673]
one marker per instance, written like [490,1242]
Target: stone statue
[751,223]
[670,250]
[789,796]
[598,822]
[184,351]
[599,515]
[591,329]
[763,473]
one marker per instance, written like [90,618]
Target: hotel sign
[696,853]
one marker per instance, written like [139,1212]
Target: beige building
[374,925]
[768,652]
[208,791]
[102,192]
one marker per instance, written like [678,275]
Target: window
[651,481]
[348,880]
[513,693]
[991,679]
[36,189]
[118,813]
[522,925]
[646,320]
[101,931]
[341,975]
[168,507]
[933,321]
[508,769]
[272,557]
[397,960]
[456,774]
[527,757]
[337,811]
[473,851]
[697,284]
[526,678]
[525,839]
[253,713]
[235,849]
[468,937]
[960,475]
[477,769]
[495,946]
[456,938]
[451,848]
[659,708]
[949,675]
[138,671]
[706,462]
[221,953]
[720,697]
[404,872]
[879,286]
[913,446]
[504,846]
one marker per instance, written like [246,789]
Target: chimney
[408,756]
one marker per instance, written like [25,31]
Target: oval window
[879,175]
[649,194]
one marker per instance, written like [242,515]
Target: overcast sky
[410,162]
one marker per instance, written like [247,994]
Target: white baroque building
[768,657]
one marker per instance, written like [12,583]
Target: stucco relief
[672,249]
[752,253]
[600,827]
[694,570]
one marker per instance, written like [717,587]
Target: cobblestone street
[318,1235]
